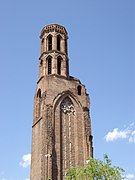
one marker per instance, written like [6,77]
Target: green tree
[96,169]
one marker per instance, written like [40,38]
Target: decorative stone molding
[67,107]
[53,27]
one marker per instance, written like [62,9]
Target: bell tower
[53,51]
[61,130]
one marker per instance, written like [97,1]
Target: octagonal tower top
[54,51]
[53,28]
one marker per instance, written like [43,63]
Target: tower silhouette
[61,130]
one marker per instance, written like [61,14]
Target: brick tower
[61,130]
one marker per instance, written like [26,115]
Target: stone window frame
[59,63]
[49,42]
[59,37]
[38,106]
[49,65]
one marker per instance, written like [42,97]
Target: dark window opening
[49,65]
[39,93]
[49,43]
[59,65]
[79,89]
[41,62]
[58,42]
[42,41]
[38,104]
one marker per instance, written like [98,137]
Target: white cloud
[116,134]
[3,179]
[132,138]
[127,133]
[26,160]
[130,176]
[27,179]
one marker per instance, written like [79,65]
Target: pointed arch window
[58,42]
[38,104]
[49,62]
[49,42]
[67,106]
[59,60]
[39,94]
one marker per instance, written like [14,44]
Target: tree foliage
[96,169]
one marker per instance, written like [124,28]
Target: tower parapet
[53,27]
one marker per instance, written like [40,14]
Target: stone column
[45,45]
[44,68]
[64,67]
[54,64]
[54,42]
[62,44]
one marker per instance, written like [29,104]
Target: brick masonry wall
[66,143]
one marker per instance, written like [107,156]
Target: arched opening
[67,140]
[38,104]
[49,62]
[59,59]
[79,89]
[49,42]
[58,42]
[68,134]
[39,94]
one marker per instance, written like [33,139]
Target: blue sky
[102,55]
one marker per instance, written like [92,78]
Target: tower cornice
[52,51]
[52,28]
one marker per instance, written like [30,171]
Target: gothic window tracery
[67,106]
[67,133]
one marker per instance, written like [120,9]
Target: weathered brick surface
[61,131]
